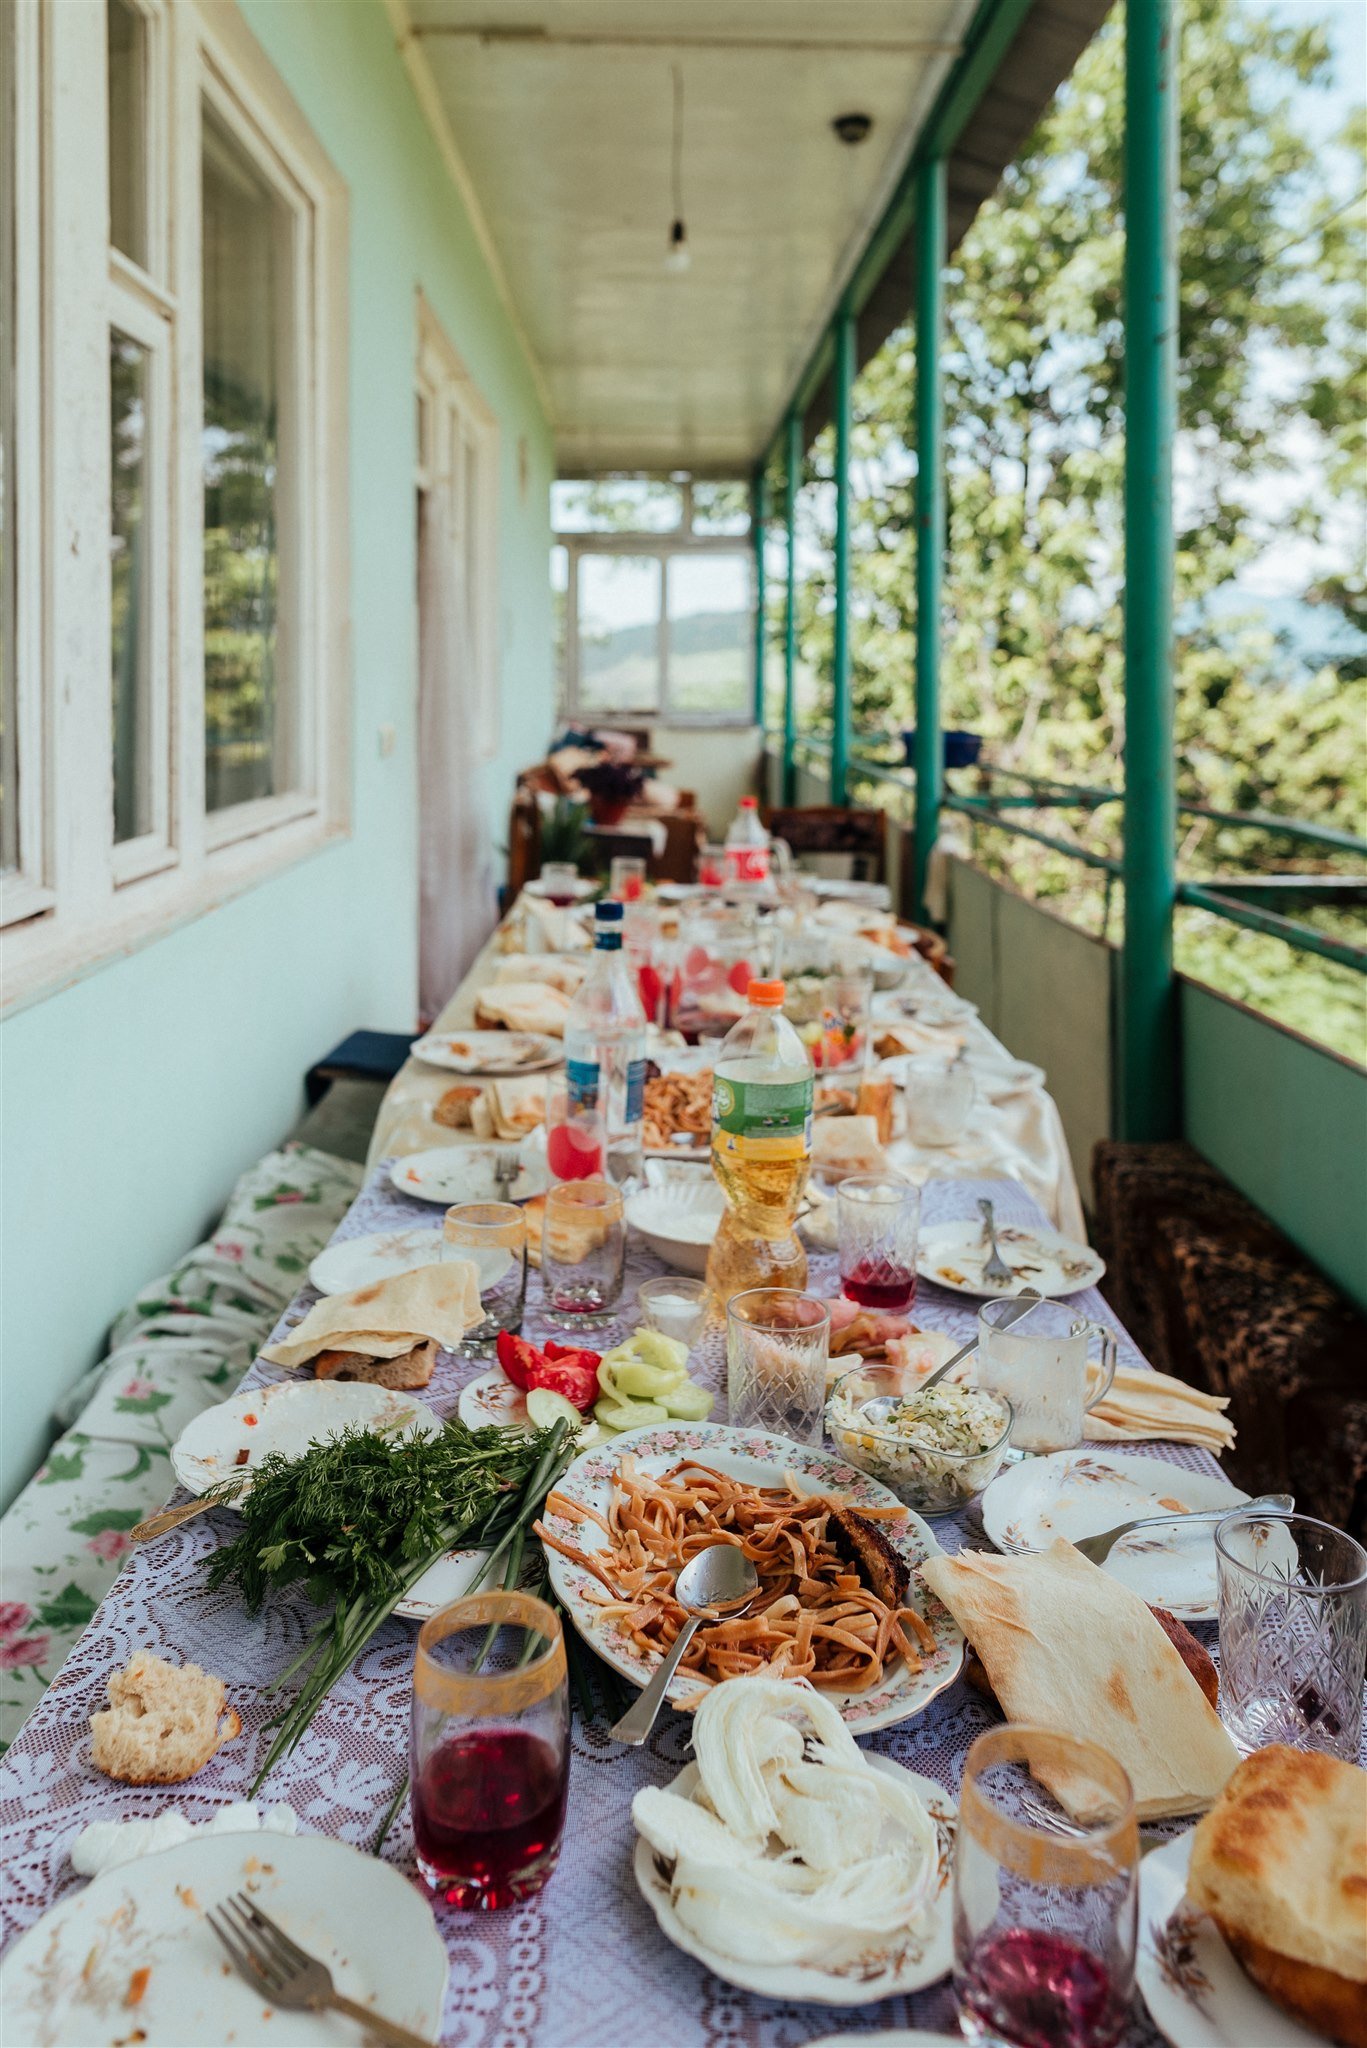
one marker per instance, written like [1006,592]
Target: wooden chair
[835,828]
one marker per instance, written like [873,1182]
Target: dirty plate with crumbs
[131,1959]
[1085,1492]
[953,1255]
[230,1440]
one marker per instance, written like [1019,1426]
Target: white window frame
[680,544]
[93,900]
[25,890]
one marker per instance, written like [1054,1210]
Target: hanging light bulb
[678,255]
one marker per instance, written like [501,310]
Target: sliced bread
[163,1723]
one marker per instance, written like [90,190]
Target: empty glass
[583,1253]
[675,1307]
[939,1095]
[489,1748]
[878,1218]
[1045,1904]
[1041,1366]
[777,1343]
[494,1234]
[1293,1632]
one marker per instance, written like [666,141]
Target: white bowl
[679,1223]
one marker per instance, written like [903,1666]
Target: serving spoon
[715,1581]
[881,1406]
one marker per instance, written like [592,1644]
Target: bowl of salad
[936,1450]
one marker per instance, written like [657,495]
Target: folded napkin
[1143,1404]
[387,1318]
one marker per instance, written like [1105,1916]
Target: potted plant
[612,787]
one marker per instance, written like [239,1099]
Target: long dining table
[583,1965]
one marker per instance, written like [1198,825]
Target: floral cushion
[182,1345]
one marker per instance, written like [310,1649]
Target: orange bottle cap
[768,995]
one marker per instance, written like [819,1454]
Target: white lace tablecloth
[583,1965]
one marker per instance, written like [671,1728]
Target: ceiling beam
[587,39]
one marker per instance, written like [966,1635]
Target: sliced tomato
[580,1351]
[518,1358]
[740,977]
[574,1377]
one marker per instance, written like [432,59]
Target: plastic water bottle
[761,1148]
[605,1048]
[747,845]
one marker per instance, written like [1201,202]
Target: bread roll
[163,1723]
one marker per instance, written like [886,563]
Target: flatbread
[523,1006]
[566,974]
[1066,1646]
[1281,1858]
[388,1317]
[844,1145]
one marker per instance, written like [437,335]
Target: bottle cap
[749,803]
[766,995]
[608,911]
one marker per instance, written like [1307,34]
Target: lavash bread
[564,974]
[1067,1646]
[388,1318]
[1194,1655]
[523,1006]
[163,1723]
[411,1369]
[1280,1865]
[845,1145]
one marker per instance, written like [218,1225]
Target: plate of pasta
[837,1555]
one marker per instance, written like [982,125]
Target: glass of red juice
[490,1753]
[878,1217]
[1044,1922]
[576,1143]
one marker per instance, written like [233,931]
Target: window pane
[709,633]
[129,638]
[127,38]
[9,813]
[619,632]
[246,255]
[616,505]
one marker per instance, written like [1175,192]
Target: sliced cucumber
[619,1414]
[545,1406]
[688,1402]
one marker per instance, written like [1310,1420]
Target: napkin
[107,1843]
[1153,1404]
[388,1317]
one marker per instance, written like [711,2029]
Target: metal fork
[507,1167]
[996,1269]
[1098,1548]
[1044,1818]
[269,1961]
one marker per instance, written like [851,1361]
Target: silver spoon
[881,1406]
[995,1271]
[716,1581]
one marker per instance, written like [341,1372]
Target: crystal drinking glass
[490,1751]
[777,1343]
[675,1307]
[1045,1903]
[939,1095]
[878,1218]
[1293,1632]
[494,1235]
[583,1253]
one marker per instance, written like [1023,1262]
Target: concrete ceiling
[560,113]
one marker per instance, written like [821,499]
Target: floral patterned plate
[919,1955]
[1083,1492]
[487,1052]
[953,1255]
[1196,1992]
[759,1460]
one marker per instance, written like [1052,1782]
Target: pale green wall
[130,1101]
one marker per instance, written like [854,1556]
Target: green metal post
[840,699]
[1147,1096]
[930,519]
[759,521]
[791,485]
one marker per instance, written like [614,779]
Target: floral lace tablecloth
[582,1966]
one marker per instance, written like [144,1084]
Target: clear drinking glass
[576,1138]
[627,877]
[939,1095]
[1041,1366]
[1044,1920]
[1293,1632]
[489,1748]
[494,1235]
[846,1002]
[560,881]
[583,1253]
[878,1217]
[675,1307]
[777,1344]
[712,866]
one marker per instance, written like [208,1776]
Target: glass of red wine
[490,1753]
[878,1216]
[1045,1892]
